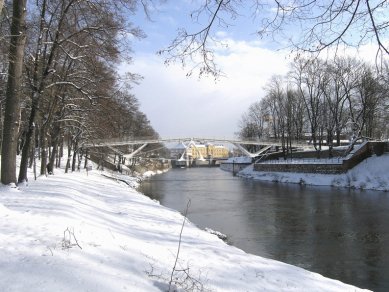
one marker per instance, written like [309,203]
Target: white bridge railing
[148,140]
[142,142]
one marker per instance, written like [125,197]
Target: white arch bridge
[141,143]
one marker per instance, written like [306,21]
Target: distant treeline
[328,100]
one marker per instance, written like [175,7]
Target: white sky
[178,106]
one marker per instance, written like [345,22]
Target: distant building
[217,151]
[198,151]
[179,151]
[194,151]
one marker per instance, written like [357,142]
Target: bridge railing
[154,140]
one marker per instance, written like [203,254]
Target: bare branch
[310,26]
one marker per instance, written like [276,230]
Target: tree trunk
[43,151]
[60,154]
[330,139]
[34,164]
[337,137]
[79,159]
[13,93]
[54,152]
[74,155]
[1,123]
[27,144]
[86,159]
[50,165]
[49,148]
[32,154]
[69,155]
[1,6]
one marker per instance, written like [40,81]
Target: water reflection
[342,234]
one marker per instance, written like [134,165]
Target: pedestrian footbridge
[140,143]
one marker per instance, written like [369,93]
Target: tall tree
[75,42]
[253,123]
[365,100]
[343,81]
[310,79]
[13,93]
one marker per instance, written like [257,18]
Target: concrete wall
[304,154]
[361,154]
[305,168]
[233,167]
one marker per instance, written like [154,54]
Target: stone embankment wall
[304,168]
[304,154]
[233,167]
[348,162]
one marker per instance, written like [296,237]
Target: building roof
[179,146]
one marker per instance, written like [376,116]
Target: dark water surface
[339,233]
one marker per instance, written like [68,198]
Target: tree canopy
[66,90]
[323,102]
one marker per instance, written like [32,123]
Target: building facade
[194,151]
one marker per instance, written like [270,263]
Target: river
[339,233]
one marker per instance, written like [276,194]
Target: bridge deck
[137,141]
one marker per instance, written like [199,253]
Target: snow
[89,231]
[150,173]
[370,174]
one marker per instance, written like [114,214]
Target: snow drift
[87,232]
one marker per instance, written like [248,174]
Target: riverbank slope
[370,174]
[86,232]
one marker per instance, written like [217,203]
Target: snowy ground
[372,173]
[79,232]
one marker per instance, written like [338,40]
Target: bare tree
[328,100]
[75,43]
[316,25]
[343,82]
[311,79]
[286,111]
[69,61]
[279,115]
[4,48]
[365,101]
[253,122]
[13,93]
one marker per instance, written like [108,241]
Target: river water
[339,233]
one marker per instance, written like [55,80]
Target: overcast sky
[180,106]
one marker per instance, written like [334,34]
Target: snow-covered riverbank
[79,232]
[372,174]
